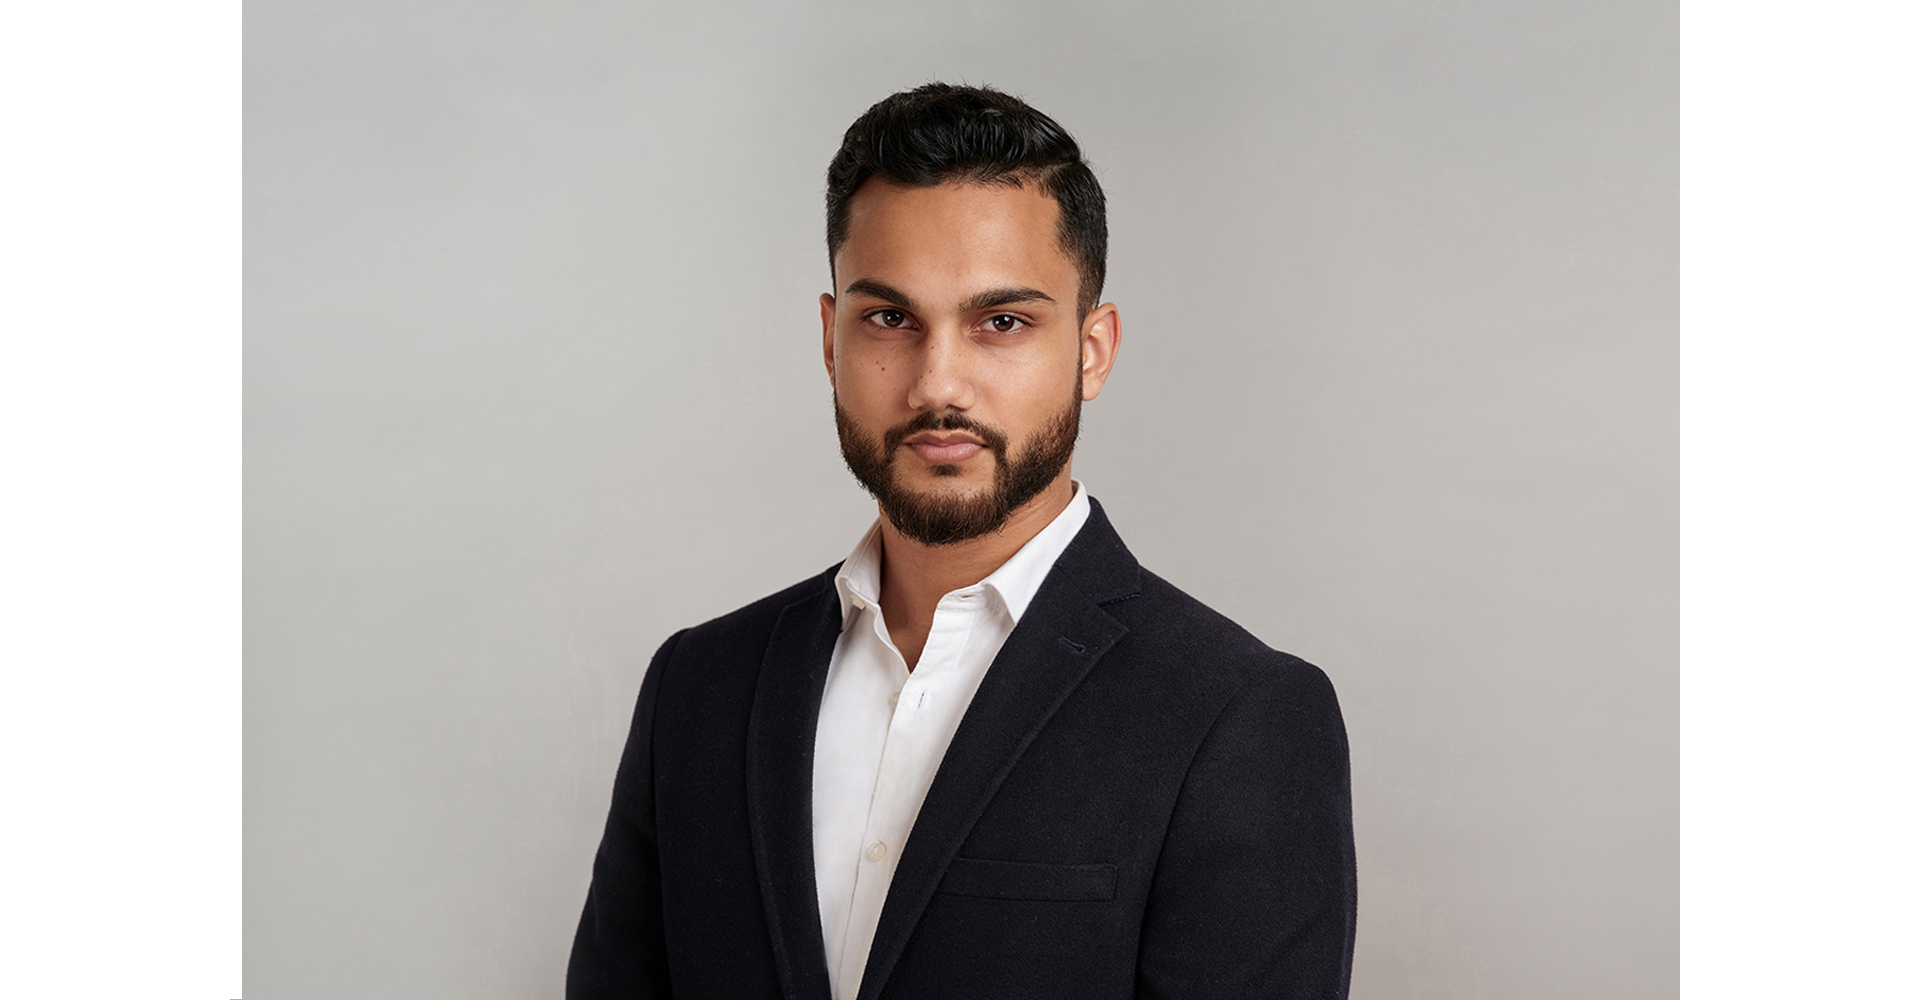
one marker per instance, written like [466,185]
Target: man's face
[957,361]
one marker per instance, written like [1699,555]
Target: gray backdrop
[532,380]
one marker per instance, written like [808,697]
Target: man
[988,755]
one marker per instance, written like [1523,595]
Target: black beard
[944,520]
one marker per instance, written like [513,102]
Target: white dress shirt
[883,729]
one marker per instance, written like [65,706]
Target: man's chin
[943,516]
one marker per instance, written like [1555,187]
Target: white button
[893,700]
[860,602]
[876,851]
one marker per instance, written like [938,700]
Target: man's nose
[945,380]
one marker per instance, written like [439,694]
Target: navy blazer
[1143,800]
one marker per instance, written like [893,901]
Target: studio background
[533,379]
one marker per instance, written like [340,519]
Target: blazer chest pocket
[1029,880]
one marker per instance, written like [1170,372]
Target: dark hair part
[939,132]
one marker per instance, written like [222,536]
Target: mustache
[946,420]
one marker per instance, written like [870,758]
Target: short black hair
[940,132]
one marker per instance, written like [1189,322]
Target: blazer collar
[1097,562]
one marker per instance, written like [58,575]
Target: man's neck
[914,575]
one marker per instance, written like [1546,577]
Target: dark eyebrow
[1004,297]
[877,290]
[984,300]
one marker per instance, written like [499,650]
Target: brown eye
[890,317]
[1004,323]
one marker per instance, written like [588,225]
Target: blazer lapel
[1059,639]
[786,706]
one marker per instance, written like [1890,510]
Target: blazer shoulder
[756,620]
[1207,646]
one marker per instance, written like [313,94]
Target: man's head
[967,241]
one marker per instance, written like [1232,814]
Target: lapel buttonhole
[1070,644]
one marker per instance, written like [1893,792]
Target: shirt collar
[858,581]
[1015,582]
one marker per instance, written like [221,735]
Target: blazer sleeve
[620,948]
[1254,894]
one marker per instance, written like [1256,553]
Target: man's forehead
[954,230]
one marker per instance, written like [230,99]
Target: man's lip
[936,438]
[945,452]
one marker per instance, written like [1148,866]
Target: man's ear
[826,331]
[1099,344]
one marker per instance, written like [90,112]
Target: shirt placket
[895,800]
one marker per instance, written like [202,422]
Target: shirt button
[893,700]
[876,851]
[860,602]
